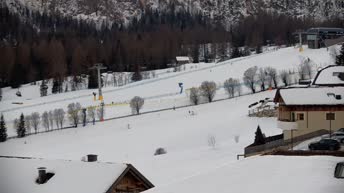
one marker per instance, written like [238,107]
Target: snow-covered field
[267,174]
[185,137]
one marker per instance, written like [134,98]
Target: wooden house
[303,110]
[306,110]
[23,175]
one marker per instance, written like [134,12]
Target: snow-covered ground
[283,174]
[185,137]
[160,92]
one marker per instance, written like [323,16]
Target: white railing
[287,125]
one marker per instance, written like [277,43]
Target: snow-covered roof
[329,76]
[19,176]
[312,96]
[182,58]
[268,174]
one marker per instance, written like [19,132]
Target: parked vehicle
[325,144]
[341,130]
[339,136]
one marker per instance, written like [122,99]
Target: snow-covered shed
[180,60]
[31,175]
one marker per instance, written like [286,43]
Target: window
[300,117]
[292,118]
[330,116]
[336,73]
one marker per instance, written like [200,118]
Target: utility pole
[300,40]
[99,67]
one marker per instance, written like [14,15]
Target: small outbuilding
[180,60]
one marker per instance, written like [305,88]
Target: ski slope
[161,92]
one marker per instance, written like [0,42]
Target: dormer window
[336,73]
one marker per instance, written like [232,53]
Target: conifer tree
[3,129]
[92,81]
[235,52]
[55,88]
[340,57]
[21,127]
[259,138]
[259,49]
[44,89]
[137,76]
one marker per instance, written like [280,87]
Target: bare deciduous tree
[285,77]
[15,123]
[45,120]
[136,104]
[28,123]
[51,119]
[58,117]
[232,86]
[236,138]
[61,117]
[262,78]
[212,141]
[35,120]
[91,113]
[250,78]
[73,113]
[146,75]
[272,76]
[194,95]
[153,74]
[208,90]
[305,70]
[114,79]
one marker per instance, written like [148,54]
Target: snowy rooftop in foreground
[329,76]
[312,96]
[19,176]
[268,174]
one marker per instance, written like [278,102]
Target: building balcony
[287,125]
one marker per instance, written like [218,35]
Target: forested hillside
[45,42]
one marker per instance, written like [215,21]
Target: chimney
[92,158]
[42,175]
[339,97]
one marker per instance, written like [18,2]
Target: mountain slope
[225,11]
